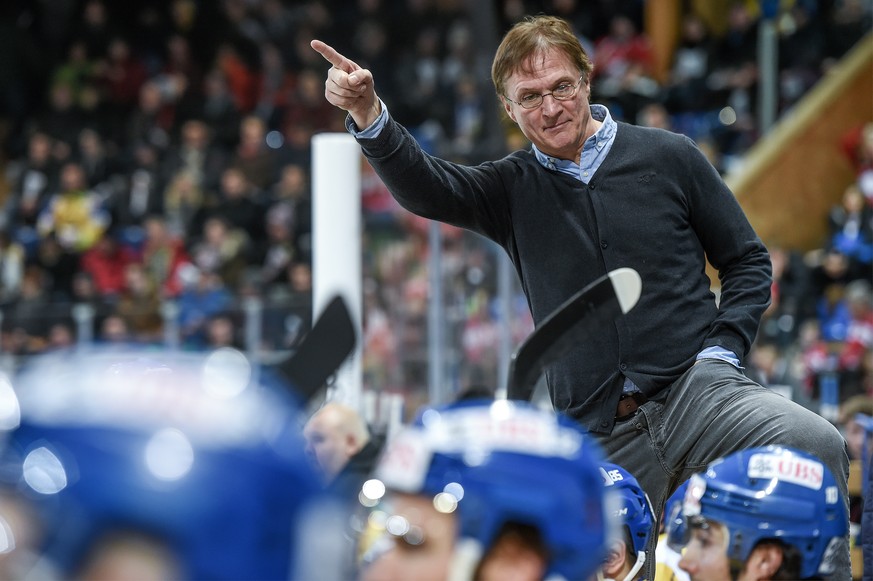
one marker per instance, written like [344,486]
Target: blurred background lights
[727,116]
[7,538]
[430,417]
[378,519]
[397,525]
[366,500]
[415,536]
[476,455]
[454,489]
[274,139]
[226,373]
[373,489]
[502,409]
[445,502]
[44,472]
[10,412]
[169,455]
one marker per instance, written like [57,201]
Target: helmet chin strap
[641,560]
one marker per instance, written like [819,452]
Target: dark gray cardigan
[656,205]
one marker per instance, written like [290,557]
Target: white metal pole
[336,246]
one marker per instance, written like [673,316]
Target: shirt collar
[604,134]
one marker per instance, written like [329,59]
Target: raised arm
[349,87]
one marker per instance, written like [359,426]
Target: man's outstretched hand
[348,86]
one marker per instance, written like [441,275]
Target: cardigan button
[603,244]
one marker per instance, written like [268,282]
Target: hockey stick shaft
[576,321]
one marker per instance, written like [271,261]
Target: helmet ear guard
[768,493]
[674,521]
[630,510]
[634,510]
[496,459]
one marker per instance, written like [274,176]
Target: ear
[351,443]
[616,555]
[507,106]
[763,561]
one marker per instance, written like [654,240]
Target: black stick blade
[322,351]
[576,321]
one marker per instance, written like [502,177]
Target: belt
[628,404]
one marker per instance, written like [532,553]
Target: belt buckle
[632,406]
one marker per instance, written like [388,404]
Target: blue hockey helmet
[499,462]
[770,492]
[631,508]
[185,447]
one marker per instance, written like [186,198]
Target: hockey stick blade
[322,351]
[576,321]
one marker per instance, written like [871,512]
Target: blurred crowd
[816,339]
[157,171]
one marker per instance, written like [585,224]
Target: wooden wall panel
[796,173]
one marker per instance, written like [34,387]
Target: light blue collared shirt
[594,150]
[373,130]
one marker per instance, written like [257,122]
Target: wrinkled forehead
[537,64]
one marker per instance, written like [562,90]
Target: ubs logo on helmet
[787,468]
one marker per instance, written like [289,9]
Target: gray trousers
[711,411]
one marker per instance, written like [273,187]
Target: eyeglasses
[562,92]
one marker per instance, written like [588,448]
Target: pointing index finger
[333,57]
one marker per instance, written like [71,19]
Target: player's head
[632,511]
[773,512]
[479,487]
[334,434]
[179,463]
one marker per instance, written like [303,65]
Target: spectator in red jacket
[106,262]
